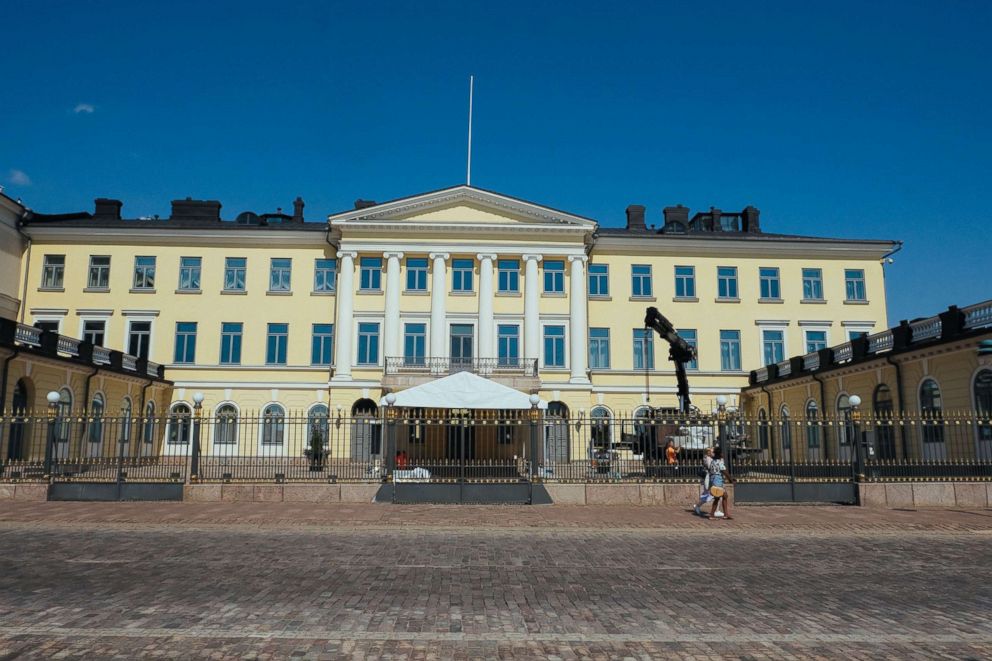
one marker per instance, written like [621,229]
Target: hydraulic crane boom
[680,352]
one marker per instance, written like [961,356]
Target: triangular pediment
[461,205]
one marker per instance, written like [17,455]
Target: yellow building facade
[272,311]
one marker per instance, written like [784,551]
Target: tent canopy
[463,390]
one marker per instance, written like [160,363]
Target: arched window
[600,432]
[366,432]
[64,413]
[180,424]
[16,448]
[556,432]
[812,425]
[983,404]
[846,430]
[125,420]
[148,428]
[931,409]
[273,425]
[786,428]
[226,425]
[882,407]
[642,434]
[762,430]
[317,423]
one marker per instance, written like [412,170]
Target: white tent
[463,390]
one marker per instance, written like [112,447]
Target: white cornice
[468,248]
[717,247]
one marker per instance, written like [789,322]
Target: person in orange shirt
[671,453]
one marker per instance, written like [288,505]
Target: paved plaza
[255,580]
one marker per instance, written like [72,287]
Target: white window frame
[565,345]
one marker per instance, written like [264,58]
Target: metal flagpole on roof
[468,172]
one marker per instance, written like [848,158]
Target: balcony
[404,372]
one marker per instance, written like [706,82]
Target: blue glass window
[461,274]
[640,276]
[730,350]
[185,342]
[643,349]
[189,273]
[685,281]
[554,346]
[813,284]
[415,344]
[280,272]
[234,273]
[774,346]
[276,343]
[854,282]
[599,348]
[508,345]
[230,343]
[370,278]
[554,277]
[769,281]
[689,335]
[368,344]
[599,280]
[726,279]
[416,274]
[322,345]
[324,272]
[508,276]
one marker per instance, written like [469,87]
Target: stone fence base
[280,493]
[683,495]
[926,494]
[24,491]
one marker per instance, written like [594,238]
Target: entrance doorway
[18,426]
[462,340]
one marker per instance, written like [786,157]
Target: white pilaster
[391,330]
[577,322]
[439,294]
[346,309]
[532,313]
[487,345]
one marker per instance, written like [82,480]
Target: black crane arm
[680,352]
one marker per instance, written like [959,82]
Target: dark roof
[725,236]
[87,220]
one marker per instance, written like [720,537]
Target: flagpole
[468,172]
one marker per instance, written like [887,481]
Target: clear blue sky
[851,119]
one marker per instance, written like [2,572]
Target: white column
[346,308]
[577,323]
[391,330]
[487,346]
[439,295]
[532,313]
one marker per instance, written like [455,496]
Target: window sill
[600,297]
[814,301]
[233,292]
[553,294]
[141,290]
[685,299]
[649,299]
[857,302]
[96,290]
[322,293]
[369,292]
[278,292]
[416,292]
[726,300]
[554,368]
[189,291]
[508,294]
[463,293]
[52,289]
[770,300]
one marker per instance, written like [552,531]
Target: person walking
[704,485]
[719,478]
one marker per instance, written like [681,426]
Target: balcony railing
[445,366]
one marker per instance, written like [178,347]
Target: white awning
[463,390]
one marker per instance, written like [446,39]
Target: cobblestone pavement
[125,580]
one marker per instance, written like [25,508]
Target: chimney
[107,209]
[751,222]
[677,214]
[190,209]
[364,204]
[298,210]
[635,217]
[715,219]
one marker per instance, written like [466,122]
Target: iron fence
[444,445]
